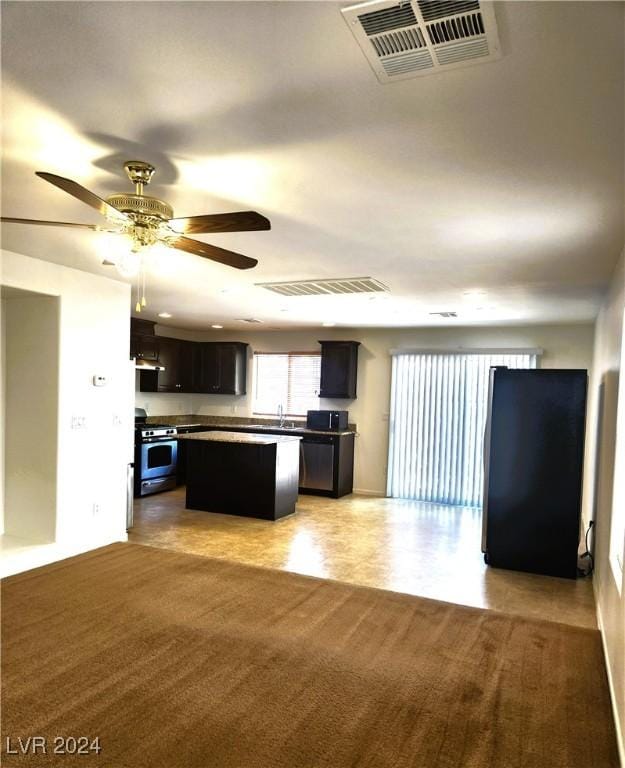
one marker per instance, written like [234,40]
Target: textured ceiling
[495,190]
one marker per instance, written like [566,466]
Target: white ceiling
[495,190]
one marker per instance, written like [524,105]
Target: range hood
[148,365]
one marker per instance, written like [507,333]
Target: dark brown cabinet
[327,464]
[336,451]
[217,368]
[143,342]
[179,361]
[222,368]
[168,379]
[339,369]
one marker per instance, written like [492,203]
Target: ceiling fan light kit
[147,221]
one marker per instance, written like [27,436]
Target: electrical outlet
[96,509]
[79,422]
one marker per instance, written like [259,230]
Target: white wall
[31,332]
[566,346]
[2,410]
[599,482]
[94,339]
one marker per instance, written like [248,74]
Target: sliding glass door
[437,420]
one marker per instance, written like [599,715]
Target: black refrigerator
[533,460]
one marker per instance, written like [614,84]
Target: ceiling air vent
[252,320]
[326,287]
[419,37]
[445,314]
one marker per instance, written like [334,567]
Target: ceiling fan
[148,221]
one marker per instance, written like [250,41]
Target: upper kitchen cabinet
[217,368]
[179,361]
[339,369]
[143,342]
[222,368]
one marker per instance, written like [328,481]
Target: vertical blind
[437,420]
[289,379]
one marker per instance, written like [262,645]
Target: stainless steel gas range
[156,452]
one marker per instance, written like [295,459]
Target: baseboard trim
[620,741]
[367,492]
[38,555]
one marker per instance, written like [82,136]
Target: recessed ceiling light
[164,314]
[328,325]
[216,326]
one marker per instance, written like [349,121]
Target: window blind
[437,420]
[290,379]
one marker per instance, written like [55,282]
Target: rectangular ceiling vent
[420,37]
[326,287]
[445,314]
[252,320]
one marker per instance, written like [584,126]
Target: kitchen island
[243,474]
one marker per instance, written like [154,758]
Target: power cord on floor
[587,555]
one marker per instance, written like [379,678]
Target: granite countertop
[288,430]
[238,437]
[245,423]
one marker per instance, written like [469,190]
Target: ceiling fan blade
[229,258]
[82,194]
[241,221]
[11,220]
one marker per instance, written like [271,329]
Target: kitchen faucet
[281,415]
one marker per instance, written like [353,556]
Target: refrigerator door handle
[486,460]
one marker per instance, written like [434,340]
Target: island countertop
[238,437]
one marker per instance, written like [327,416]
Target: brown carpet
[181,661]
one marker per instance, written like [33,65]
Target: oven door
[158,459]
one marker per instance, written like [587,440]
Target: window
[289,379]
[438,413]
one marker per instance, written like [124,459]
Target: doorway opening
[29,404]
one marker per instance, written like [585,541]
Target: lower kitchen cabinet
[326,466]
[181,465]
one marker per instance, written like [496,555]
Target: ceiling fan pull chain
[138,304]
[143,301]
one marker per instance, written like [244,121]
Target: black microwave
[326,420]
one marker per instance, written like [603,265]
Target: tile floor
[421,549]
